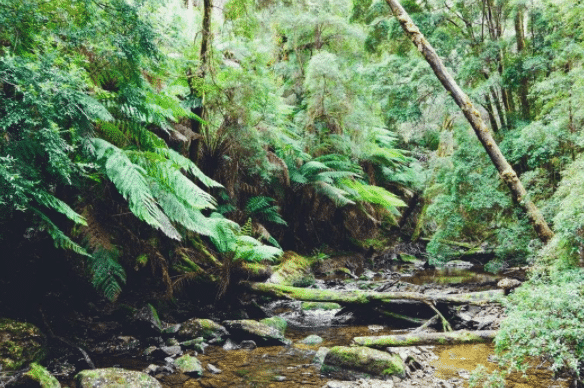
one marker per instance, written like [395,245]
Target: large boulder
[20,343]
[114,378]
[363,360]
[206,328]
[262,334]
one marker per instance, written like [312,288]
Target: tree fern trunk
[473,116]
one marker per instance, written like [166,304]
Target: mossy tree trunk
[508,175]
[417,339]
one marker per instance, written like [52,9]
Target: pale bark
[506,172]
[417,339]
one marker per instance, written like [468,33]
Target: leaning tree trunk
[473,116]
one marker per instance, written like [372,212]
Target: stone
[312,340]
[172,342]
[230,345]
[280,378]
[205,328]
[261,333]
[248,344]
[37,377]
[171,330]
[363,360]
[459,264]
[213,369]
[320,355]
[508,284]
[146,322]
[21,343]
[277,323]
[114,378]
[171,350]
[197,344]
[189,365]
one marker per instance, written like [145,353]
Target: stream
[279,366]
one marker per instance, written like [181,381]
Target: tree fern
[373,194]
[107,275]
[262,207]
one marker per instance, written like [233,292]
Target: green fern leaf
[60,239]
[130,181]
[374,194]
[55,203]
[188,166]
[107,275]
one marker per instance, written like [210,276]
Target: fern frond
[187,165]
[107,275]
[251,250]
[262,207]
[55,203]
[60,239]
[130,181]
[374,194]
[339,196]
[169,176]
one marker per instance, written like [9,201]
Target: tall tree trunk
[200,74]
[489,107]
[473,116]
[524,85]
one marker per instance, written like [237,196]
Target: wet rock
[294,269]
[197,344]
[205,328]
[189,365]
[20,343]
[363,360]
[171,350]
[230,345]
[248,344]
[171,330]
[277,323]
[114,378]
[145,322]
[361,383]
[213,369]
[320,356]
[262,334]
[37,377]
[312,340]
[375,328]
[280,378]
[172,342]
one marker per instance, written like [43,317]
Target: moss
[320,306]
[365,360]
[277,323]
[40,375]
[22,343]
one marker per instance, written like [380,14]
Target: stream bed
[293,366]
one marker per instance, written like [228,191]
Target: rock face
[261,333]
[205,328]
[189,365]
[114,378]
[363,360]
[20,343]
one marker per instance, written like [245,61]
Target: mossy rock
[363,360]
[260,333]
[21,343]
[254,272]
[312,339]
[294,269]
[37,377]
[206,328]
[189,365]
[320,306]
[277,323]
[114,378]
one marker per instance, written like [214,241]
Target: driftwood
[358,297]
[416,339]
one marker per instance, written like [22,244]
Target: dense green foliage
[311,124]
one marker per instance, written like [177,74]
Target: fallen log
[363,297]
[417,339]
